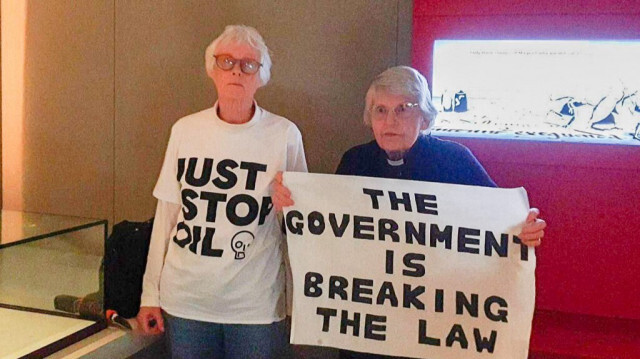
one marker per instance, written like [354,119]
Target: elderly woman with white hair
[398,109]
[214,280]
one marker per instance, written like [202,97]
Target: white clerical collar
[395,163]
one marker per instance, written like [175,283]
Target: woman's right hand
[150,320]
[280,196]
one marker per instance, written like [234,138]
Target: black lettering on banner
[462,302]
[326,314]
[483,343]
[265,209]
[371,326]
[524,250]
[338,229]
[457,335]
[501,315]
[426,203]
[423,338]
[374,194]
[359,225]
[204,176]
[491,244]
[413,267]
[312,281]
[438,235]
[189,209]
[182,227]
[212,203]
[420,235]
[388,268]
[180,169]
[316,223]
[410,296]
[362,287]
[464,240]
[337,286]
[439,302]
[395,201]
[252,173]
[345,322]
[207,244]
[232,212]
[224,168]
[294,228]
[387,292]
[388,227]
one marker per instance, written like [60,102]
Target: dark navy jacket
[430,159]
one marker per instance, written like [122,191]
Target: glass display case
[51,292]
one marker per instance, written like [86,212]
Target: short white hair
[241,34]
[402,81]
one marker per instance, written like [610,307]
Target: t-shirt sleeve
[296,160]
[168,187]
[164,221]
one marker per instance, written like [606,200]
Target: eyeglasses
[402,111]
[227,62]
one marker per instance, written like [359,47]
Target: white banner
[407,268]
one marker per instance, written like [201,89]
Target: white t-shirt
[223,259]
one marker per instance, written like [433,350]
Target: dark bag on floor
[125,261]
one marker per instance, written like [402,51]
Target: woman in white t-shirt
[214,281]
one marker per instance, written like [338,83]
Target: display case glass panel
[51,292]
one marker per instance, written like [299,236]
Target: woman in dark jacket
[399,111]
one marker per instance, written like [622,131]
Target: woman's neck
[396,155]
[401,154]
[235,111]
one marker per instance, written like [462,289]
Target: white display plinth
[23,332]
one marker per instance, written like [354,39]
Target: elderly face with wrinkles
[396,122]
[235,73]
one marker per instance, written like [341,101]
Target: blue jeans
[193,339]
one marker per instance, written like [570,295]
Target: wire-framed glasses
[402,111]
[227,62]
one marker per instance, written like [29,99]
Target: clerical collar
[395,163]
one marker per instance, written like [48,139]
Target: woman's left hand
[280,194]
[533,229]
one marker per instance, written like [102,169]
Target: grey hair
[402,81]
[241,34]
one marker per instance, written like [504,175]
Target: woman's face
[235,84]
[395,132]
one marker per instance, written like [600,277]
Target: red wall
[589,194]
